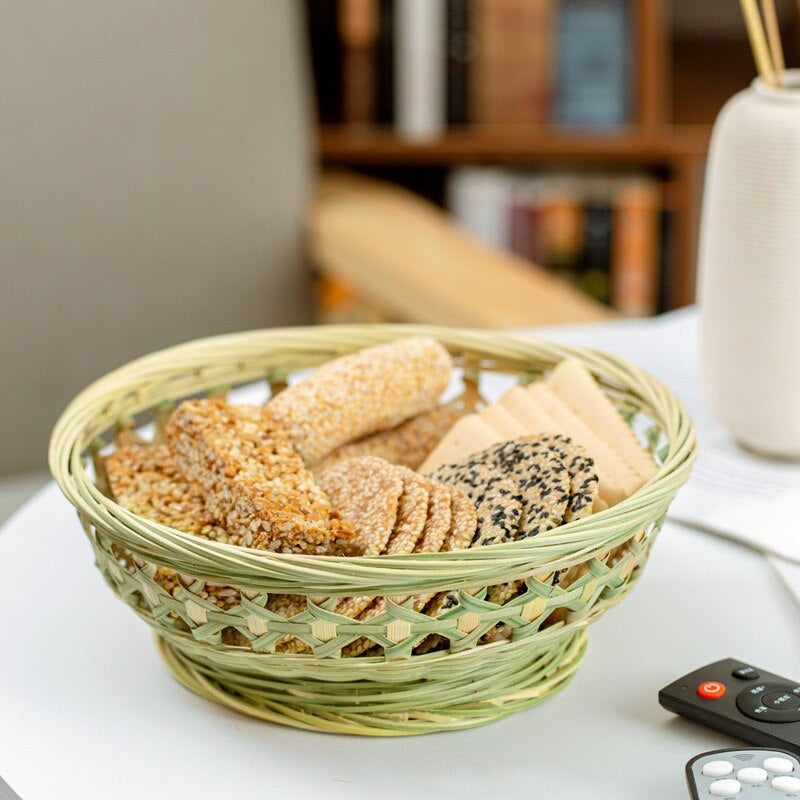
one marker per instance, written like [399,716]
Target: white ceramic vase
[749,268]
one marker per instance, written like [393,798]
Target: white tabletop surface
[88,711]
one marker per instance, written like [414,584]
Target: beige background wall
[154,174]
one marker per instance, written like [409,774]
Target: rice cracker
[366,491]
[358,394]
[408,444]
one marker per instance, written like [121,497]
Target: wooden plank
[404,255]
[511,143]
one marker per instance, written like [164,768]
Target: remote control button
[769,702]
[785,783]
[752,775]
[711,690]
[746,674]
[728,787]
[717,769]
[783,701]
[780,765]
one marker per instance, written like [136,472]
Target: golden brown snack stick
[355,395]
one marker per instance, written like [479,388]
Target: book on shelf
[477,197]
[326,58]
[667,298]
[384,64]
[592,273]
[510,68]
[459,54]
[421,65]
[602,232]
[593,63]
[358,30]
[635,246]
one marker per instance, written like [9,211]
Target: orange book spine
[358,30]
[635,248]
[510,78]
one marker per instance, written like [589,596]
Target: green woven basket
[398,693]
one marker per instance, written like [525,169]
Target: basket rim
[251,352]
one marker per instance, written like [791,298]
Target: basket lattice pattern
[571,575]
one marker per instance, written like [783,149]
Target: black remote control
[740,699]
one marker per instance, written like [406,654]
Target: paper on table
[731,492]
[789,572]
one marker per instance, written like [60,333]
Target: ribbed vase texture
[749,268]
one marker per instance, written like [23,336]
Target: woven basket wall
[572,574]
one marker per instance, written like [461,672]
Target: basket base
[507,680]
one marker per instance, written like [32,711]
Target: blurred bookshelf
[613,91]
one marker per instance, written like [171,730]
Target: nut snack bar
[355,395]
[256,484]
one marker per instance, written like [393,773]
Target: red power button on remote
[711,690]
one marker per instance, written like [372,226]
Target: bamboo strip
[758,41]
[774,38]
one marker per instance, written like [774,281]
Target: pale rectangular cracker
[468,435]
[608,462]
[503,422]
[575,386]
[537,419]
[534,418]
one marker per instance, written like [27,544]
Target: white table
[88,711]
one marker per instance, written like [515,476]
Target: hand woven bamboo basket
[399,692]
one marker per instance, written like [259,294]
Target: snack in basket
[238,474]
[537,470]
[412,513]
[573,384]
[468,435]
[437,519]
[569,402]
[408,444]
[256,485]
[146,480]
[464,521]
[393,510]
[552,481]
[366,490]
[499,510]
[361,393]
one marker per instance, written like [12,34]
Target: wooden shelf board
[374,146]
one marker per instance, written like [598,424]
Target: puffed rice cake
[366,491]
[358,394]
